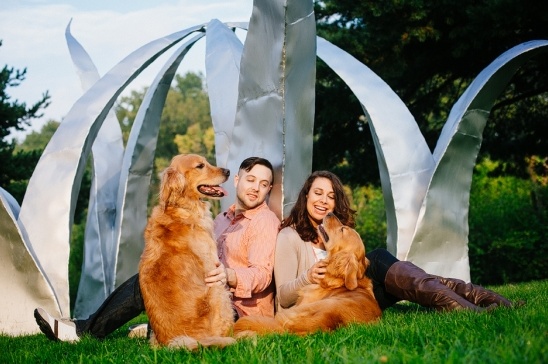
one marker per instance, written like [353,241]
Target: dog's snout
[226,172]
[330,214]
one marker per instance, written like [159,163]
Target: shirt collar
[248,214]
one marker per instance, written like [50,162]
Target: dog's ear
[171,181]
[346,269]
[352,272]
[363,266]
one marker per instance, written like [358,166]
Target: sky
[33,37]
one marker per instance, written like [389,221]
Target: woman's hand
[216,277]
[317,272]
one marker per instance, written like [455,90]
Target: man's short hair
[248,164]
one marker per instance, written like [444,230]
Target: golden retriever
[344,296]
[179,250]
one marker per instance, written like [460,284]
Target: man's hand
[232,278]
[216,277]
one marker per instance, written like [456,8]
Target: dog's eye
[200,166]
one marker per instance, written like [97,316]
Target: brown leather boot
[409,282]
[478,295]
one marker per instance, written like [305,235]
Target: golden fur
[344,296]
[179,250]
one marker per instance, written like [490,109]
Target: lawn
[407,333]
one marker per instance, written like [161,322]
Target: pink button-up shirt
[246,244]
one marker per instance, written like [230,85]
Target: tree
[16,168]
[197,141]
[186,111]
[38,140]
[429,52]
[186,104]
[126,111]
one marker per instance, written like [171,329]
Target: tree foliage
[186,104]
[16,168]
[197,141]
[429,52]
[184,126]
[508,232]
[38,140]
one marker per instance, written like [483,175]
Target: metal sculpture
[427,195]
[262,103]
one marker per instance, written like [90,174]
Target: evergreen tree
[16,168]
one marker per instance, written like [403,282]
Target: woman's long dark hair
[298,217]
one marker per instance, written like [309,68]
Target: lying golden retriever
[179,250]
[344,296]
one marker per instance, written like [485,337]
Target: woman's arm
[289,259]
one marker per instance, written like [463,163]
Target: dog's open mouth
[212,191]
[322,231]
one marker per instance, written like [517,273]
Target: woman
[299,253]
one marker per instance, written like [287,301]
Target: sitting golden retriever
[344,296]
[179,250]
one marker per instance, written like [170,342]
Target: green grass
[407,333]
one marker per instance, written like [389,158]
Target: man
[246,238]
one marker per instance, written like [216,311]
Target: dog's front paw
[183,342]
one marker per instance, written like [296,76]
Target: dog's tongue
[212,191]
[221,191]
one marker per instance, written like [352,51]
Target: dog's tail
[248,325]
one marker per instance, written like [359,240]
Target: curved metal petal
[278,64]
[244,25]
[222,61]
[23,284]
[11,204]
[299,97]
[405,162]
[440,243]
[137,169]
[107,151]
[46,217]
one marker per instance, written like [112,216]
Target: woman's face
[320,200]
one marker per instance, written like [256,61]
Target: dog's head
[190,176]
[346,261]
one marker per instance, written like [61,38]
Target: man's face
[252,187]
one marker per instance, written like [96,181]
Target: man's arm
[257,276]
